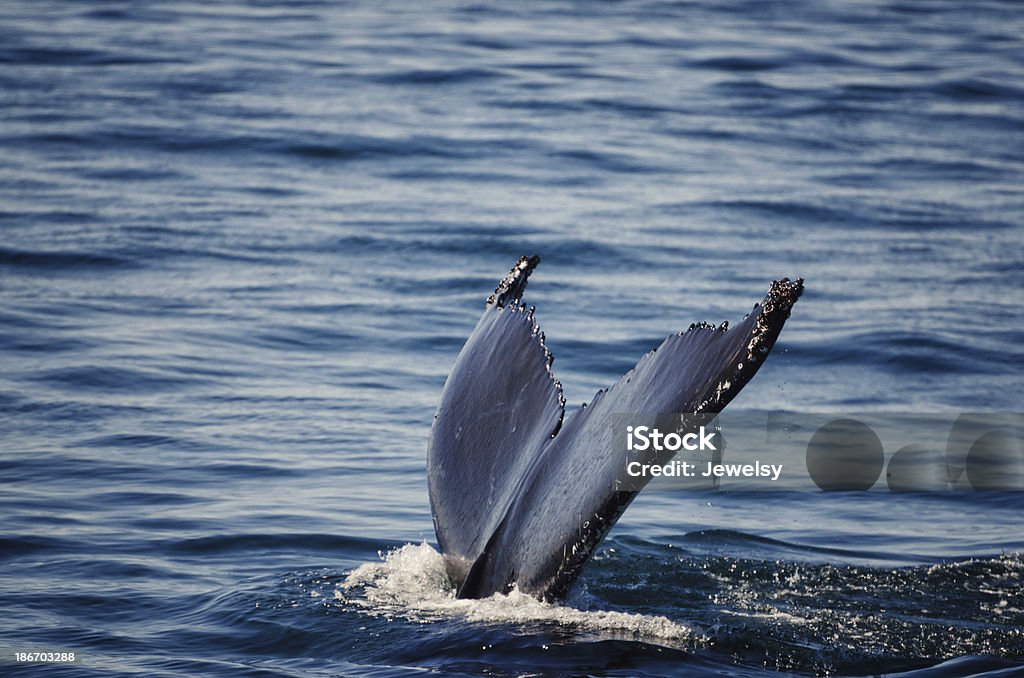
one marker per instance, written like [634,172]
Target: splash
[410,582]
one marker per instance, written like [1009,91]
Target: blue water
[242,244]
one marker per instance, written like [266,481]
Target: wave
[411,582]
[772,613]
[55,260]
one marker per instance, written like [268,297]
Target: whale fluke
[520,497]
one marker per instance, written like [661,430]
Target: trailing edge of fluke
[522,495]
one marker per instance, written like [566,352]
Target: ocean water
[241,245]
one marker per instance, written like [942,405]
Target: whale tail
[521,497]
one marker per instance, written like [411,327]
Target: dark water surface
[241,245]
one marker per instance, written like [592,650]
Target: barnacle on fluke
[521,497]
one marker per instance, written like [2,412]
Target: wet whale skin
[521,495]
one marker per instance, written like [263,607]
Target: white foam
[410,582]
